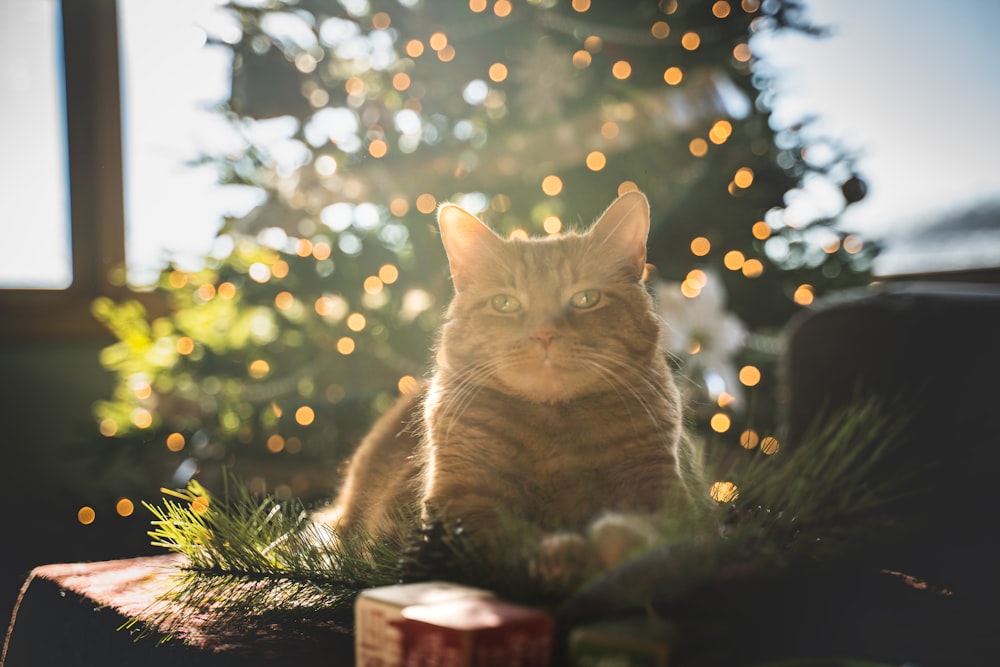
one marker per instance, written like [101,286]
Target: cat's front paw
[563,560]
[616,536]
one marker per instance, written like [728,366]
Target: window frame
[93,124]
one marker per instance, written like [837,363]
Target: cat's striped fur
[551,402]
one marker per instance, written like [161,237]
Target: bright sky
[910,84]
[913,86]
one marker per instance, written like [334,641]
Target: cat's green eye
[584,299]
[505,303]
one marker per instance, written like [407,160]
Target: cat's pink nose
[544,335]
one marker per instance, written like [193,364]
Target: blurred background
[218,229]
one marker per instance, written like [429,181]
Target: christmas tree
[360,117]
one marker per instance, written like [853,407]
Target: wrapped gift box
[378,640]
[476,632]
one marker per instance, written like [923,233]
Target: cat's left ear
[622,230]
[467,242]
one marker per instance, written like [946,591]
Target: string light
[753,268]
[86,515]
[426,203]
[700,246]
[304,416]
[497,72]
[582,59]
[408,385]
[477,6]
[275,443]
[761,230]
[621,70]
[596,160]
[720,422]
[124,507]
[724,492]
[803,295]
[660,30]
[691,41]
[502,8]
[673,75]
[721,9]
[552,185]
[698,147]
[749,439]
[770,445]
[381,21]
[414,48]
[175,442]
[750,376]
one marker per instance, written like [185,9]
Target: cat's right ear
[467,242]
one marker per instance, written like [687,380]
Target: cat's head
[549,319]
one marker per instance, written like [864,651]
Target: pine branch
[254,562]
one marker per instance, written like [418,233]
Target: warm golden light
[720,132]
[124,507]
[721,9]
[698,147]
[596,160]
[750,376]
[761,230]
[303,248]
[438,41]
[401,81]
[258,368]
[184,345]
[582,59]
[373,285]
[803,295]
[750,6]
[724,492]
[86,515]
[399,206]
[408,385]
[743,177]
[742,53]
[279,269]
[414,48]
[388,273]
[769,445]
[142,418]
[426,203]
[621,69]
[275,443]
[175,442]
[552,185]
[627,186]
[660,29]
[345,345]
[593,43]
[177,279]
[381,21]
[673,75]
[354,86]
[733,260]
[753,268]
[552,225]
[378,148]
[226,290]
[199,505]
[697,277]
[498,72]
[206,291]
[305,416]
[502,8]
[284,300]
[700,246]
[477,5]
[831,246]
[691,41]
[108,427]
[609,129]
[691,289]
[720,422]
[581,5]
[356,322]
[447,54]
[322,250]
[749,439]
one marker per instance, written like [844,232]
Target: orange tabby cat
[552,402]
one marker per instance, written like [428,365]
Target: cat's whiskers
[607,364]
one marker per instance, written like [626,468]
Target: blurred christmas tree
[360,116]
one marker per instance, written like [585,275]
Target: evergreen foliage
[253,561]
[353,119]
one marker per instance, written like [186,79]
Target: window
[102,171]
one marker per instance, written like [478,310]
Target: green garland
[254,562]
